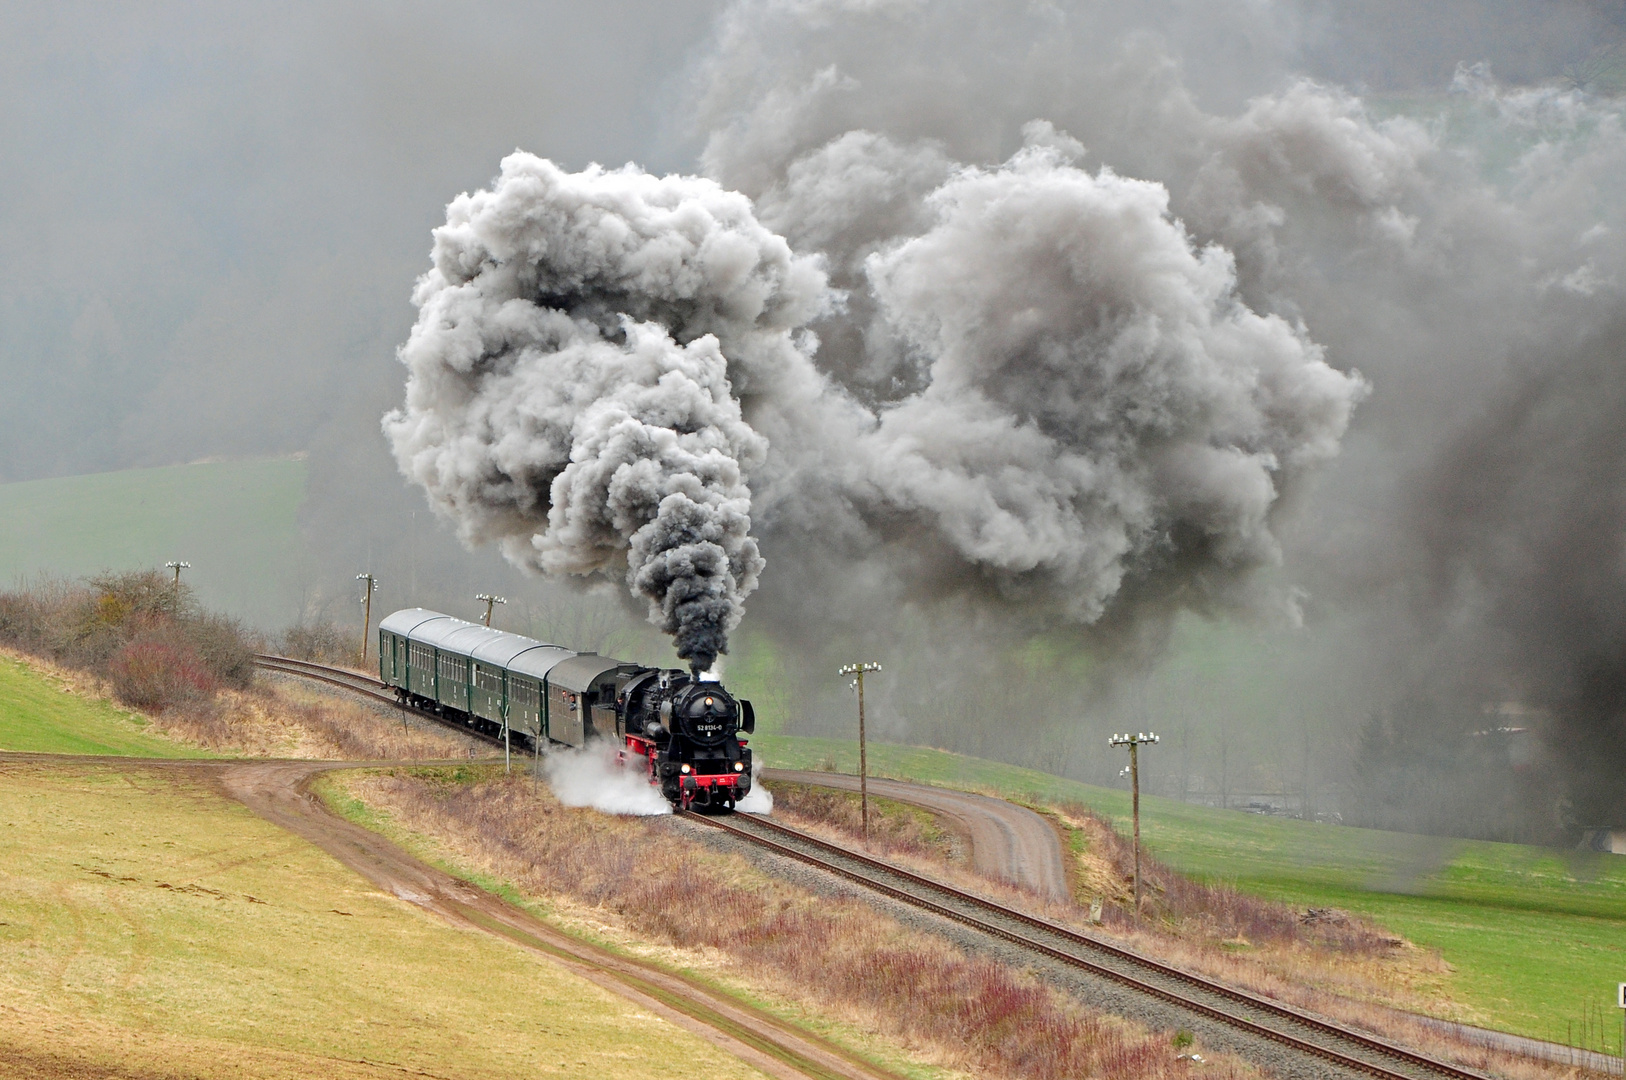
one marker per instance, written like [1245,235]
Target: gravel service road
[1008,842]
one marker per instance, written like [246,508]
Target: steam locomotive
[682,731]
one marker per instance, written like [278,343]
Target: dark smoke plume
[568,395]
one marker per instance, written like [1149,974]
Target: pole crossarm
[1135,742]
[177,565]
[367,591]
[859,670]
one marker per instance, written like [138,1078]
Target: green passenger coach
[495,681]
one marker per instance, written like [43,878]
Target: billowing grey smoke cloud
[1094,401]
[1098,402]
[568,395]
[1455,244]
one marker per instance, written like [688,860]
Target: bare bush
[224,647]
[158,669]
[87,624]
[160,652]
[319,642]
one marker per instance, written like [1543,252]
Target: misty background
[215,218]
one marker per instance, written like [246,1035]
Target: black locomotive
[681,731]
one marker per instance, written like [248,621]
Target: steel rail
[1365,1042]
[365,685]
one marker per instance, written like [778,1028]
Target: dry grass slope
[838,958]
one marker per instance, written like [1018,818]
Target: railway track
[1234,1009]
[364,685]
[1300,1032]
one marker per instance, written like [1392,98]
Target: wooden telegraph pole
[1135,742]
[177,565]
[860,670]
[367,591]
[489,600]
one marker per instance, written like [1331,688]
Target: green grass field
[1537,937]
[39,716]
[226,518]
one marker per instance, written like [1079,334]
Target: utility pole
[177,566]
[367,591]
[1135,742]
[1620,990]
[489,600]
[860,670]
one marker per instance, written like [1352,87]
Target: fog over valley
[1247,371]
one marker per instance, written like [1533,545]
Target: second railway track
[1309,1036]
[358,683]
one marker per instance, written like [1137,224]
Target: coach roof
[539,662]
[436,632]
[405,621]
[584,671]
[502,649]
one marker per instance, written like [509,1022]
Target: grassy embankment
[1536,937]
[43,715]
[224,517]
[149,923]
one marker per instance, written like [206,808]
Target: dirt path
[1008,842]
[279,792]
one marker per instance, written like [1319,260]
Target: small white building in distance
[1610,840]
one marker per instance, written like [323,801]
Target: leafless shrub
[158,669]
[135,622]
[224,647]
[319,642]
[193,670]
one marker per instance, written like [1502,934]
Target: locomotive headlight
[739,766]
[683,768]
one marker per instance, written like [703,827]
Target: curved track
[365,685]
[1008,842]
[1317,1042]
